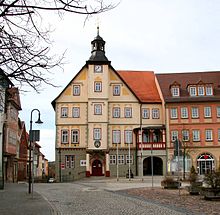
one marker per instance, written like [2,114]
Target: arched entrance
[157,166]
[205,163]
[97,168]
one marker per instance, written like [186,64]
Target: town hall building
[100,116]
[109,122]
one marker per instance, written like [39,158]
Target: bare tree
[25,44]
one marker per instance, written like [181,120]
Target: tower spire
[98,49]
[98,30]
[97,23]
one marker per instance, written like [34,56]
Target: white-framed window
[76,90]
[97,133]
[75,136]
[76,112]
[209,91]
[129,159]
[184,112]
[64,136]
[112,159]
[128,136]
[116,136]
[128,112]
[69,161]
[145,113]
[173,113]
[195,112]
[218,111]
[174,135]
[185,135]
[155,113]
[207,112]
[64,112]
[196,135]
[201,91]
[121,159]
[97,109]
[208,135]
[116,112]
[116,90]
[98,86]
[219,134]
[175,91]
[192,91]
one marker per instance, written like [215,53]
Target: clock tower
[98,50]
[97,152]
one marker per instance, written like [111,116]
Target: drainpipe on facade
[1,163]
[2,158]
[166,138]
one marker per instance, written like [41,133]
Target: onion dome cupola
[98,49]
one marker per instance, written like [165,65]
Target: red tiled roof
[185,79]
[142,84]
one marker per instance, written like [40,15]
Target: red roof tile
[142,84]
[189,78]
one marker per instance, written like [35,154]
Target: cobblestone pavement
[90,198]
[194,204]
[15,200]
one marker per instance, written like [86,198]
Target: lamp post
[117,142]
[152,166]
[32,138]
[60,176]
[141,136]
[129,155]
[142,166]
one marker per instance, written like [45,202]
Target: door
[157,166]
[205,163]
[97,168]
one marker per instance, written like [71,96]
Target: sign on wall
[82,162]
[62,165]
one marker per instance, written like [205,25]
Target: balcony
[153,145]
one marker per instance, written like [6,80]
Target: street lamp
[152,165]
[117,142]
[129,155]
[60,176]
[33,136]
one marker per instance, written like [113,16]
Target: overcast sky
[150,35]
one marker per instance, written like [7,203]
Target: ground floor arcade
[204,161]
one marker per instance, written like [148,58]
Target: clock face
[97,143]
[98,68]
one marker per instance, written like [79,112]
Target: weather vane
[97,24]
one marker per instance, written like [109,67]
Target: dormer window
[201,91]
[192,91]
[209,91]
[175,91]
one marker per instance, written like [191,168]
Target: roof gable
[67,89]
[14,97]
